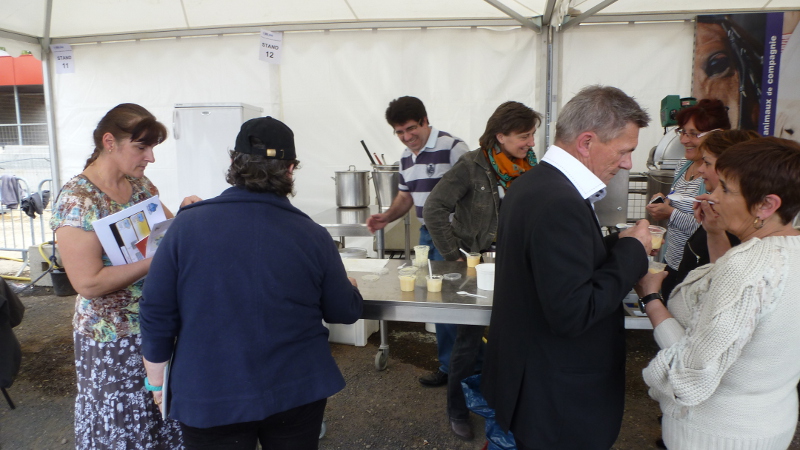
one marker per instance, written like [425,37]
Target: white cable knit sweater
[727,374]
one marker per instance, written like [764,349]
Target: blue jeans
[426,239]
[445,332]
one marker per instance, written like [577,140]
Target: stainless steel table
[346,221]
[350,222]
[383,300]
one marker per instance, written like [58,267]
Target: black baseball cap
[277,140]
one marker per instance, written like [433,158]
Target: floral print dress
[112,409]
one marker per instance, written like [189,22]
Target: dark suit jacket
[555,363]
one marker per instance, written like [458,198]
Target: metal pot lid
[352,169]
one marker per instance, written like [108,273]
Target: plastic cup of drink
[473,259]
[434,283]
[407,276]
[657,234]
[421,253]
[655,267]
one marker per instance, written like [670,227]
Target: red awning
[22,70]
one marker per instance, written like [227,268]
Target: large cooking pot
[352,188]
[386,178]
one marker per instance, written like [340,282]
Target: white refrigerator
[203,134]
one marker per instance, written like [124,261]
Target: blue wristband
[150,387]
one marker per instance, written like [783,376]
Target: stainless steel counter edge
[427,312]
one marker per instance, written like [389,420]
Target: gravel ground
[377,410]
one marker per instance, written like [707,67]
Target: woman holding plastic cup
[473,190]
[695,123]
[710,241]
[729,363]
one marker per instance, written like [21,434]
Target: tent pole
[48,102]
[551,105]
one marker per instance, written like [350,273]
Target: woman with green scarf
[472,192]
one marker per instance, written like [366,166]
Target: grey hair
[604,110]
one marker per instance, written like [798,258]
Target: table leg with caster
[382,357]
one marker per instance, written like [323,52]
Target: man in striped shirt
[429,154]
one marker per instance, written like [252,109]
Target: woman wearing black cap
[244,281]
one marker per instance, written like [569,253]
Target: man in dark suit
[555,362]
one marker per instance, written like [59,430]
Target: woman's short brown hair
[762,167]
[510,117]
[719,141]
[708,114]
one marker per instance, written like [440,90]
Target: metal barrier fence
[23,134]
[19,231]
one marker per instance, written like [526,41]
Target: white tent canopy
[91,18]
[344,60]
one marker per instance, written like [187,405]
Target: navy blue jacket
[244,281]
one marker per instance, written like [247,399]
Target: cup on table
[485,276]
[473,259]
[434,283]
[407,276]
[657,234]
[421,255]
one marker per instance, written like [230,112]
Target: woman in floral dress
[112,409]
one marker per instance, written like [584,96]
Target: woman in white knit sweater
[729,364]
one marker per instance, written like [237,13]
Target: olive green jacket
[468,189]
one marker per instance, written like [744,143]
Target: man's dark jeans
[463,361]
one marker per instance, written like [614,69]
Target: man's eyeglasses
[682,132]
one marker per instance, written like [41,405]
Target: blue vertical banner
[772,61]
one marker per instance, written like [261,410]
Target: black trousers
[295,429]
[466,350]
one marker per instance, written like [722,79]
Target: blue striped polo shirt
[420,173]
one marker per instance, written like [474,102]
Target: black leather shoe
[434,379]
[462,429]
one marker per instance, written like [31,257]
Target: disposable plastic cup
[655,267]
[657,234]
[473,259]
[485,276]
[421,253]
[434,283]
[407,282]
[408,275]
